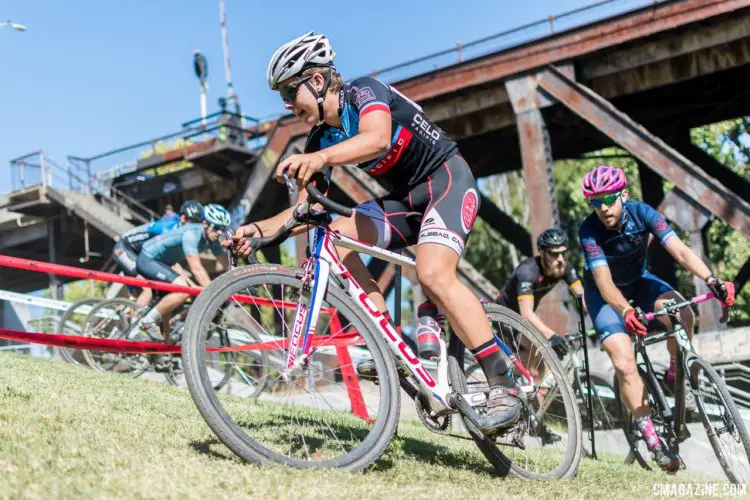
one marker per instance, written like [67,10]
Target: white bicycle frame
[325,261]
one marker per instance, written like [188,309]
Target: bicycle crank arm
[466,409]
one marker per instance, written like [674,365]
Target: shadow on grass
[433,454]
[286,430]
[208,447]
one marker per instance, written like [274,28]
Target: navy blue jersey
[418,146]
[623,250]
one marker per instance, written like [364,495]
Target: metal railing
[36,169]
[504,40]
[121,161]
[736,376]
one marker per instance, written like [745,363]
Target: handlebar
[302,213]
[573,337]
[316,194]
[675,307]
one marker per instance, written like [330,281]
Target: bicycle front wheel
[317,414]
[722,420]
[530,449]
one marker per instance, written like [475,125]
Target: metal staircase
[89,209]
[100,205]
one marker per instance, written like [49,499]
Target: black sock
[494,364]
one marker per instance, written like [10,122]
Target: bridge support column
[652,188]
[53,233]
[536,155]
[693,219]
[742,276]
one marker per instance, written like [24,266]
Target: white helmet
[216,215]
[292,58]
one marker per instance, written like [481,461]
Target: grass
[69,432]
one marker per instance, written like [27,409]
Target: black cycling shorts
[441,210]
[155,269]
[125,257]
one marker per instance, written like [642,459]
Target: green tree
[727,141]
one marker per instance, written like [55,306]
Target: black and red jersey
[418,146]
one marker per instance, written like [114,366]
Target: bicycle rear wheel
[72,323]
[523,453]
[722,420]
[228,369]
[316,416]
[111,319]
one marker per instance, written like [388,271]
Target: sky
[90,76]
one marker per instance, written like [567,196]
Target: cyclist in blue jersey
[127,248]
[433,199]
[159,254]
[615,239]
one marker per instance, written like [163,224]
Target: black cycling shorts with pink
[441,209]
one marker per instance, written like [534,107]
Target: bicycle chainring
[438,423]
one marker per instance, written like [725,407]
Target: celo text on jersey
[425,129]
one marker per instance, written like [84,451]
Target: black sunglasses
[557,254]
[288,92]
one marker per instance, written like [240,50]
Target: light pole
[13,26]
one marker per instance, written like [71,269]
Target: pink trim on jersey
[450,181]
[373,106]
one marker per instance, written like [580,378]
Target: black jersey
[528,281]
[418,146]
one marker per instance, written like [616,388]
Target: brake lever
[641,316]
[226,235]
[291,186]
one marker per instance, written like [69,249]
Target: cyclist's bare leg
[531,358]
[686,318]
[359,227]
[172,301]
[437,267]
[437,272]
[632,390]
[144,298]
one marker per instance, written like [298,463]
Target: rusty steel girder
[537,160]
[648,148]
[565,46]
[280,136]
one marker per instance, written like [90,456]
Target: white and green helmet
[216,215]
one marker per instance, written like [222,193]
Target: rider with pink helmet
[615,239]
[603,179]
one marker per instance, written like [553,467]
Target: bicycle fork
[315,279]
